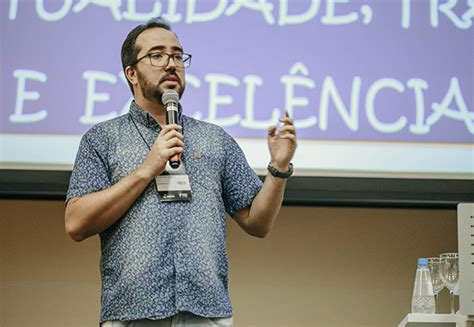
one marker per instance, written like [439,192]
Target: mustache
[170,75]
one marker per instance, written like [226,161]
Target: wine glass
[434,265]
[450,274]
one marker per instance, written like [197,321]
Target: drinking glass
[434,265]
[450,274]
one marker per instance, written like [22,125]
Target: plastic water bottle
[423,300]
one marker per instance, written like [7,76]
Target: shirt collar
[143,117]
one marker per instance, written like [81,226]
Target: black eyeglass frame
[186,59]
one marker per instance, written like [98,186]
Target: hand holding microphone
[169,144]
[170,100]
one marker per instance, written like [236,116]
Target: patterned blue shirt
[162,257]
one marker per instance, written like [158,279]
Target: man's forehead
[157,36]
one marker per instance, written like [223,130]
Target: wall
[318,267]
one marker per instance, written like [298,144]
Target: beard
[152,92]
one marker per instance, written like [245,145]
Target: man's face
[154,81]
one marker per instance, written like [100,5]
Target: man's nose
[171,64]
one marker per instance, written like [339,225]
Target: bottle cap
[422,262]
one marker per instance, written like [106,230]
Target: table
[431,320]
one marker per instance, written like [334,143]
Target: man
[164,262]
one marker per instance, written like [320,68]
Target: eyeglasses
[162,59]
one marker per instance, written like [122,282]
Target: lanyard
[140,133]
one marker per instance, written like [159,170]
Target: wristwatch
[276,173]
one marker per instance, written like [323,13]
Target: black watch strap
[276,173]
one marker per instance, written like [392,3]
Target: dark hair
[130,51]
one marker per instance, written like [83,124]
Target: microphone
[170,100]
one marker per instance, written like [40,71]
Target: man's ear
[131,75]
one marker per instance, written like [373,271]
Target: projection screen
[376,88]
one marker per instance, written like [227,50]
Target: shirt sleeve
[240,183]
[90,172]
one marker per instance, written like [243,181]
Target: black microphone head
[170,96]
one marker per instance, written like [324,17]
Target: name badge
[173,187]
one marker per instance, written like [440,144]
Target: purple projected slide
[385,70]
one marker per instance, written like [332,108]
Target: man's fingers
[171,133]
[287,119]
[271,130]
[288,128]
[169,128]
[288,136]
[175,142]
[172,151]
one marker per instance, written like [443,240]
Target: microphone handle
[171,113]
[172,118]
